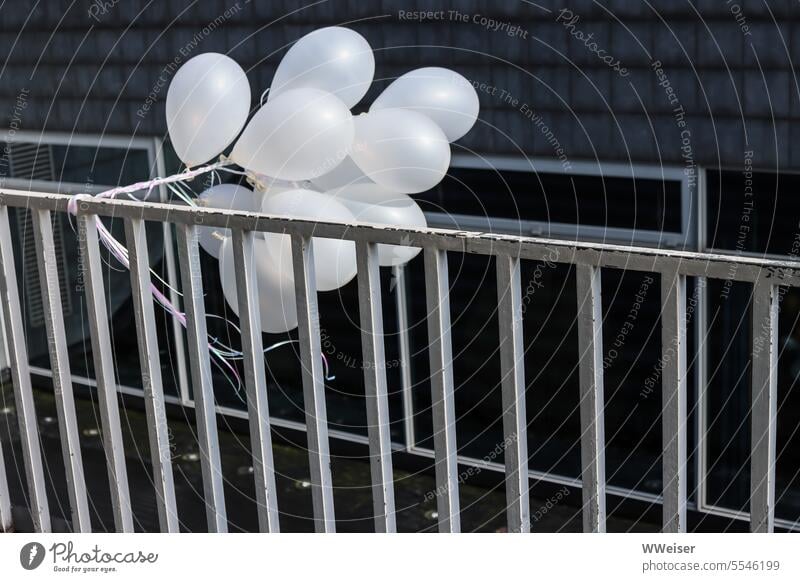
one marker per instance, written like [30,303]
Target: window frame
[687,238]
[155,159]
[701,331]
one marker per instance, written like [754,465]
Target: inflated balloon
[267,186]
[344,174]
[208,102]
[375,204]
[335,59]
[299,135]
[228,197]
[276,296]
[334,260]
[401,150]
[443,95]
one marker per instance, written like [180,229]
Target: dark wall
[90,67]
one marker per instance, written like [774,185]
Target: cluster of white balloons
[311,158]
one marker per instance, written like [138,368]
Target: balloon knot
[72,205]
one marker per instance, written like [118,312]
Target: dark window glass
[89,165]
[104,166]
[754,212]
[632,357]
[642,204]
[729,399]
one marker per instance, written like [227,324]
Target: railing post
[313,383]
[673,396]
[147,340]
[92,270]
[6,519]
[437,290]
[404,344]
[764,411]
[590,352]
[512,366]
[255,379]
[376,390]
[59,364]
[200,364]
[21,380]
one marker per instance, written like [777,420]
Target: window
[75,164]
[749,213]
[645,205]
[640,206]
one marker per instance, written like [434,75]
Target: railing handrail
[729,266]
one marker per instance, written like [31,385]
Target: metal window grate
[30,161]
[33,291]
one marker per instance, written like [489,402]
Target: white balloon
[299,135]
[344,174]
[375,204]
[228,197]
[443,95]
[276,297]
[335,59]
[401,150]
[266,185]
[208,102]
[334,260]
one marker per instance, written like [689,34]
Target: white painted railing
[588,258]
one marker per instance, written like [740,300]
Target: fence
[589,258]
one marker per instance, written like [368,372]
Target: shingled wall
[95,67]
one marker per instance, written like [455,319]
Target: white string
[176,183]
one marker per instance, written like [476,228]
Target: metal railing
[588,258]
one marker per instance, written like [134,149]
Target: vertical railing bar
[512,366]
[673,397]
[700,355]
[21,379]
[244,258]
[437,289]
[113,445]
[376,388]
[6,519]
[764,411]
[177,328]
[59,364]
[700,361]
[200,367]
[313,383]
[404,341]
[147,340]
[159,168]
[590,352]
